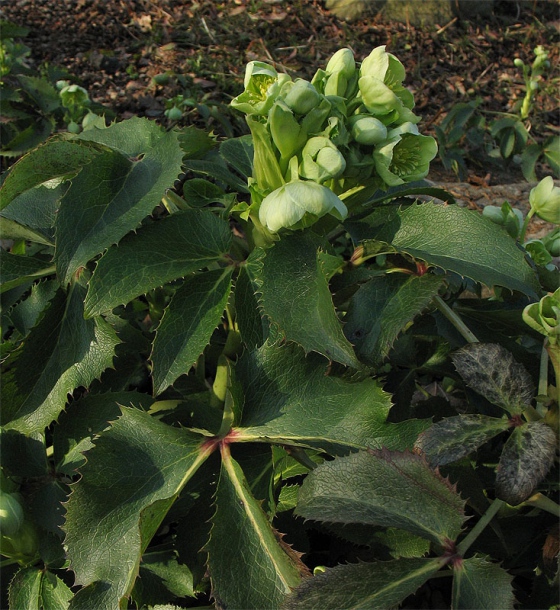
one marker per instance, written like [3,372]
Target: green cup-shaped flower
[262,86]
[405,156]
[298,204]
[545,200]
[544,316]
[321,160]
[300,96]
[368,130]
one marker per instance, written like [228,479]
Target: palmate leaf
[109,526]
[391,489]
[453,438]
[382,308]
[187,325]
[526,458]
[121,187]
[289,399]
[63,352]
[295,297]
[158,253]
[491,370]
[478,583]
[363,586]
[248,566]
[457,240]
[37,588]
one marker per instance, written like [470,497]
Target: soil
[115,48]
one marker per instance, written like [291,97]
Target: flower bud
[342,62]
[518,62]
[368,130]
[321,160]
[552,242]
[300,96]
[545,200]
[298,204]
[11,514]
[544,316]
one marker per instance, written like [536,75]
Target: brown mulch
[115,48]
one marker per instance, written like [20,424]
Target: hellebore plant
[260,373]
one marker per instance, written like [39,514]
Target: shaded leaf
[238,152]
[402,543]
[19,269]
[108,526]
[187,325]
[25,589]
[453,438]
[382,308]
[162,579]
[121,187]
[248,566]
[289,399]
[363,586]
[390,489]
[158,253]
[490,370]
[198,192]
[295,296]
[54,159]
[84,419]
[526,458]
[458,240]
[480,584]
[64,351]
[55,594]
[10,229]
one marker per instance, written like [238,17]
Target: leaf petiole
[454,319]
[464,545]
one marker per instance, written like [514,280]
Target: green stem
[544,503]
[299,454]
[553,350]
[463,546]
[7,562]
[530,215]
[454,319]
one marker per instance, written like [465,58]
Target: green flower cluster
[350,128]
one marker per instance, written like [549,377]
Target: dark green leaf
[379,585]
[198,192]
[162,579]
[25,314]
[462,241]
[295,296]
[64,351]
[218,171]
[480,584]
[253,327]
[248,565]
[119,189]
[10,229]
[84,419]
[43,94]
[147,464]
[490,370]
[453,438]
[238,152]
[290,399]
[189,320]
[390,489]
[25,589]
[19,269]
[526,458]
[55,594]
[382,308]
[54,159]
[402,543]
[158,253]
[195,142]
